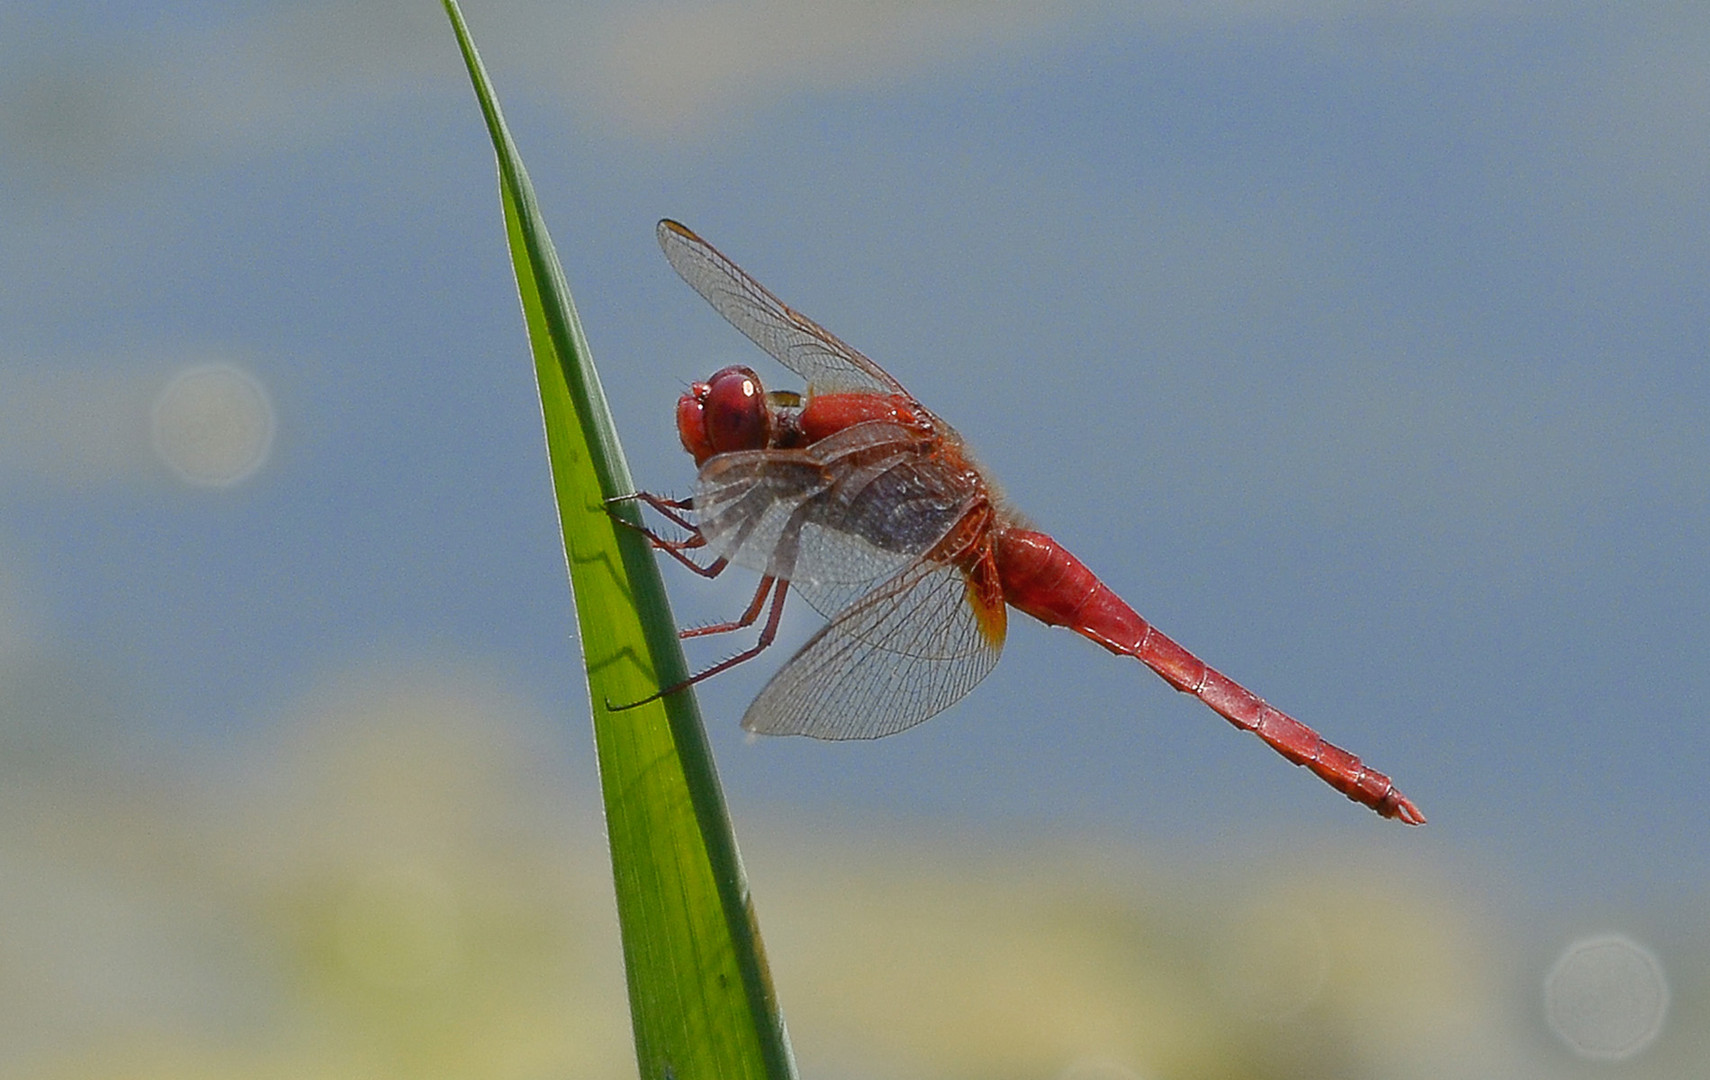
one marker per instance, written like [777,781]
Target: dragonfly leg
[767,634]
[673,548]
[747,618]
[667,507]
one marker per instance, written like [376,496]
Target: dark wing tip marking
[668,225]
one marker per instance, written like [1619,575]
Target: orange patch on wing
[985,596]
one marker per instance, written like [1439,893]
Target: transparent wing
[793,339]
[902,654]
[834,517]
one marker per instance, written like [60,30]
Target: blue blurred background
[1361,347]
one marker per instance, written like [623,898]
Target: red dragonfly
[859,498]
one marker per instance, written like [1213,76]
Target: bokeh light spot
[1606,997]
[213,425]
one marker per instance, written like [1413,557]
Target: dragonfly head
[730,411]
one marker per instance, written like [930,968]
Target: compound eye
[692,423]
[736,415]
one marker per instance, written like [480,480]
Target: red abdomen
[1041,578]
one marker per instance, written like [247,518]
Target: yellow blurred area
[927,962]
[394,886]
[406,878]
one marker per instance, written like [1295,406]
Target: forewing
[903,653]
[832,518]
[793,339]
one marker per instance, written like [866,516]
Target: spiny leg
[667,507]
[767,634]
[746,619]
[673,548]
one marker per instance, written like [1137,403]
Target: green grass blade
[700,995]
